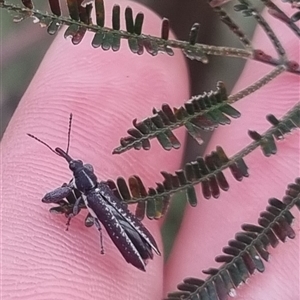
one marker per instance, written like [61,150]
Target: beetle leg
[74,212]
[89,220]
[57,195]
[98,226]
[70,216]
[76,206]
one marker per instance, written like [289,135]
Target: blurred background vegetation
[23,46]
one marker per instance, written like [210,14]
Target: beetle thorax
[84,179]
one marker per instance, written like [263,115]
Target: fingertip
[207,228]
[103,91]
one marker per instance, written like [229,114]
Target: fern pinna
[246,252]
[204,112]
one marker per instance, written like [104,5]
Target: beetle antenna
[37,139]
[61,152]
[69,132]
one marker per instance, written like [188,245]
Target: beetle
[129,235]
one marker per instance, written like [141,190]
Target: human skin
[104,91]
[207,229]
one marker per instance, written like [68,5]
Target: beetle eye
[89,167]
[72,165]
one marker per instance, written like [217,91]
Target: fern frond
[258,83]
[267,143]
[79,22]
[207,171]
[248,10]
[246,252]
[203,112]
[225,18]
[277,13]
